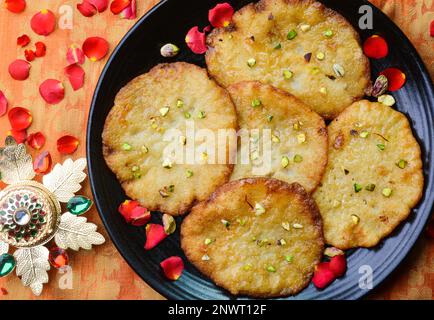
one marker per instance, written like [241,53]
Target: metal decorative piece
[31,215]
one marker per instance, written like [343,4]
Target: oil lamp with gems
[31,215]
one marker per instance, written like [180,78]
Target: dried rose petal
[130,12]
[42,163]
[376,47]
[86,9]
[395,77]
[95,48]
[67,144]
[196,40]
[154,235]
[23,40]
[52,91]
[74,55]
[44,22]
[15,6]
[19,69]
[19,135]
[36,140]
[221,15]
[323,276]
[75,74]
[431,29]
[117,6]
[3,104]
[134,214]
[41,49]
[29,55]
[172,267]
[338,265]
[20,118]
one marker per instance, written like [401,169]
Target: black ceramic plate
[139,51]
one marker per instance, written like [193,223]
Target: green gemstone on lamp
[79,205]
[7,264]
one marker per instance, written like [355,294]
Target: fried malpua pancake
[298,135]
[299,46]
[133,138]
[373,177]
[257,236]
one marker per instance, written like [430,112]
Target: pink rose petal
[19,69]
[75,74]
[74,55]
[129,12]
[52,91]
[3,104]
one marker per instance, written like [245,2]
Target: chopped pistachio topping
[225,223]
[182,140]
[254,155]
[164,192]
[275,138]
[355,219]
[339,70]
[145,149]
[336,203]
[205,257]
[305,27]
[262,242]
[328,33]
[301,138]
[179,103]
[289,258]
[126,147]
[204,156]
[167,163]
[291,34]
[281,242]
[357,187]
[364,134]
[387,192]
[208,241]
[188,173]
[171,188]
[259,209]
[251,62]
[247,267]
[285,225]
[333,252]
[242,222]
[137,175]
[320,55]
[381,146]
[298,158]
[187,115]
[201,114]
[297,226]
[256,103]
[271,269]
[164,111]
[278,46]
[296,125]
[402,164]
[169,50]
[323,90]
[269,118]
[287,74]
[134,168]
[315,70]
[370,187]
[284,162]
[387,100]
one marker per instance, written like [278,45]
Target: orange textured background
[102,273]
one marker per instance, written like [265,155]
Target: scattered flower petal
[20,118]
[23,40]
[86,9]
[154,235]
[74,55]
[100,5]
[431,29]
[36,140]
[52,91]
[130,12]
[221,15]
[338,265]
[117,6]
[172,267]
[207,29]
[75,74]
[95,48]
[42,163]
[29,55]
[196,40]
[19,69]
[19,135]
[376,47]
[41,49]
[3,104]
[395,77]
[323,276]
[15,6]
[43,23]
[67,144]
[134,214]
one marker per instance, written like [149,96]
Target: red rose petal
[431,29]
[196,40]
[52,91]
[100,5]
[338,265]
[207,29]
[19,69]
[19,135]
[67,144]
[130,12]
[20,118]
[74,55]
[29,55]
[42,163]
[36,140]
[41,49]
[133,213]
[43,23]
[15,6]
[75,74]
[323,276]
[86,9]
[95,48]
[3,104]
[375,47]
[396,78]
[221,15]
[23,40]
[117,6]
[172,267]
[154,235]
